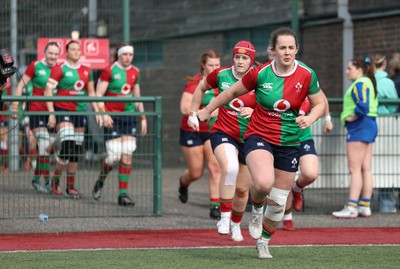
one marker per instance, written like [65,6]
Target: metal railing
[19,200]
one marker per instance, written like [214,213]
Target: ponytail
[368,69]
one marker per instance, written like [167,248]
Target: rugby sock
[104,171]
[365,202]
[236,216]
[124,172]
[56,176]
[38,170]
[226,205]
[46,169]
[71,180]
[352,203]
[216,202]
[266,234]
[257,206]
[4,155]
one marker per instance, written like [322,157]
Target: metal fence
[18,200]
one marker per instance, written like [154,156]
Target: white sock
[225,215]
[257,210]
[288,216]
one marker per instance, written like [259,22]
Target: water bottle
[43,217]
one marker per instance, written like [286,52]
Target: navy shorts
[217,138]
[285,158]
[365,129]
[123,126]
[193,139]
[38,121]
[77,120]
[307,147]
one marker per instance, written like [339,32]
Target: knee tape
[3,145]
[276,212]
[128,146]
[232,169]
[43,141]
[114,152]
[66,133]
[79,138]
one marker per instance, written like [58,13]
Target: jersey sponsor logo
[126,88]
[236,104]
[69,74]
[117,76]
[225,85]
[42,72]
[294,163]
[298,87]
[86,73]
[79,85]
[268,86]
[282,105]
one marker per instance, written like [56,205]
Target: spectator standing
[196,145]
[386,90]
[360,107]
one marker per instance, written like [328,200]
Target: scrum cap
[245,47]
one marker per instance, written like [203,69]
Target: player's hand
[204,115]
[193,121]
[304,122]
[107,121]
[52,121]
[246,112]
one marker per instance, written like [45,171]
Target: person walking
[38,73]
[196,145]
[360,107]
[120,79]
[69,79]
[271,139]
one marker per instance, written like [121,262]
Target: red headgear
[245,47]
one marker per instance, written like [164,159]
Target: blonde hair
[378,59]
[394,63]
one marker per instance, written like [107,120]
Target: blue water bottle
[43,217]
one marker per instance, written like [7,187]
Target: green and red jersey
[71,81]
[208,96]
[39,72]
[305,108]
[229,121]
[278,101]
[121,82]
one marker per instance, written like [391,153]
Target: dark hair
[279,32]
[51,43]
[71,42]
[368,69]
[203,59]
[120,45]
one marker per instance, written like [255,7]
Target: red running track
[194,238]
